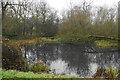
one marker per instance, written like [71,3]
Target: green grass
[18,74]
[0,73]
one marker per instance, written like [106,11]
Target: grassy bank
[16,42]
[106,43]
[98,43]
[18,74]
[104,73]
[34,40]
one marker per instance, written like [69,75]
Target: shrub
[12,59]
[109,72]
[39,67]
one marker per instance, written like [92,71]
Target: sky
[61,5]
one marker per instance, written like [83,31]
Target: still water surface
[70,59]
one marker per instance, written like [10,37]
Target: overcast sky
[64,4]
[61,5]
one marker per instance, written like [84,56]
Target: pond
[71,59]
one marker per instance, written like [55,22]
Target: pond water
[70,59]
